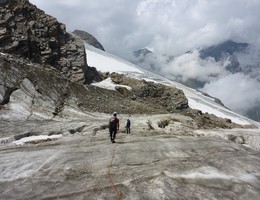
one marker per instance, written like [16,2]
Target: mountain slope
[243,58]
[215,70]
[54,141]
[103,61]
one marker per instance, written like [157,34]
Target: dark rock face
[91,75]
[229,47]
[28,32]
[90,39]
[2,2]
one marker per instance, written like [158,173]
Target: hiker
[128,124]
[113,127]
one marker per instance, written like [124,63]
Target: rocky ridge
[27,93]
[28,32]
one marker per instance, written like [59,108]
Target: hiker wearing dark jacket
[128,124]
[113,127]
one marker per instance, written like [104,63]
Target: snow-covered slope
[106,62]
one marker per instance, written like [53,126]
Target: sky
[172,27]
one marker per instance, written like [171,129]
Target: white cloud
[167,26]
[190,66]
[186,67]
[238,91]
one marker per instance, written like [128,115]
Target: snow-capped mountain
[214,70]
[242,57]
[104,62]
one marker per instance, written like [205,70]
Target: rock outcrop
[28,32]
[90,39]
[170,99]
[27,93]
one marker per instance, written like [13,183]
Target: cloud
[250,57]
[191,66]
[186,66]
[166,26]
[238,92]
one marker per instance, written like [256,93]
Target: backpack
[112,123]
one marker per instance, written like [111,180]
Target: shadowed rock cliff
[28,32]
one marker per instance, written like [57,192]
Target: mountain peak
[228,47]
[90,39]
[142,52]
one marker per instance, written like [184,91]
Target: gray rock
[90,39]
[124,91]
[32,34]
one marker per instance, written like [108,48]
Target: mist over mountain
[227,48]
[229,71]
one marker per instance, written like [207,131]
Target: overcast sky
[173,26]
